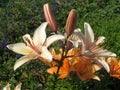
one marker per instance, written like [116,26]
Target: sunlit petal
[52,70]
[40,34]
[52,39]
[100,40]
[46,54]
[96,77]
[89,32]
[20,48]
[104,64]
[23,60]
[96,67]
[106,53]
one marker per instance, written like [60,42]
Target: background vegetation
[18,17]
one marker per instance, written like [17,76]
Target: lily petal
[74,38]
[83,47]
[40,34]
[96,77]
[52,39]
[46,54]
[82,39]
[100,40]
[20,48]
[18,87]
[7,87]
[23,60]
[104,64]
[79,33]
[89,32]
[89,35]
[106,53]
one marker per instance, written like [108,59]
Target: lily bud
[50,17]
[71,22]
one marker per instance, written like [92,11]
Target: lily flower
[35,47]
[91,48]
[74,39]
[85,70]
[114,64]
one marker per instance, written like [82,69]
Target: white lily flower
[74,38]
[91,48]
[35,47]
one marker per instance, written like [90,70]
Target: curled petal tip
[50,17]
[114,55]
[71,22]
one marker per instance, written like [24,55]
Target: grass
[18,18]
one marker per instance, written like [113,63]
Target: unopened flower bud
[71,22]
[50,17]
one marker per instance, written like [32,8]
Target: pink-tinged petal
[100,40]
[18,87]
[79,34]
[74,38]
[104,64]
[20,48]
[23,60]
[83,49]
[89,35]
[46,54]
[40,34]
[52,39]
[82,39]
[105,53]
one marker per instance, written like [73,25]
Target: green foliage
[18,17]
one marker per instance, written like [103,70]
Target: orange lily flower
[85,69]
[63,70]
[114,64]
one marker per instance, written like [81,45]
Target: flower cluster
[78,52]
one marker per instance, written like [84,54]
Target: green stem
[64,54]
